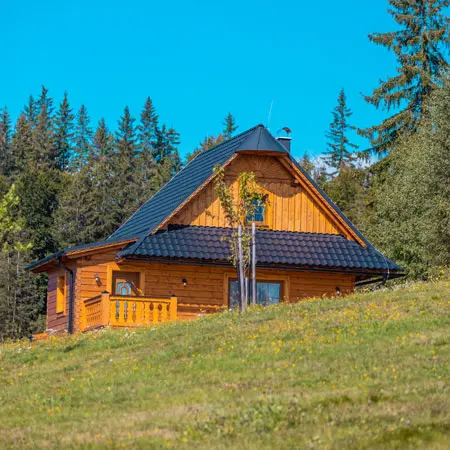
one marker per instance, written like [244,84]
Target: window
[126,283]
[267,293]
[259,211]
[61,295]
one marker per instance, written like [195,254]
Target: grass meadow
[365,371]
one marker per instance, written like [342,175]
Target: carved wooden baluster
[160,313]
[117,310]
[167,308]
[151,308]
[133,314]
[156,312]
[125,310]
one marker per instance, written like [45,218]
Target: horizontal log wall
[290,208]
[207,286]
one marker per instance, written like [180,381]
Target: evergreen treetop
[63,134]
[82,139]
[230,127]
[340,149]
[5,143]
[420,46]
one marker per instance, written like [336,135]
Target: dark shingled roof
[190,178]
[273,248]
[152,213]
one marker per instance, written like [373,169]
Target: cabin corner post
[106,307]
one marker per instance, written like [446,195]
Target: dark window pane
[233,294]
[268,293]
[259,211]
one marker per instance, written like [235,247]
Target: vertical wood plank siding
[290,206]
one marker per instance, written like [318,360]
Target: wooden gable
[291,205]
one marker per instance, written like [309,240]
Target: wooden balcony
[126,311]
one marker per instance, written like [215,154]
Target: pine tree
[63,134]
[230,127]
[339,152]
[5,144]
[82,139]
[419,47]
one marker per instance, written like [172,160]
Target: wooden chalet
[169,260]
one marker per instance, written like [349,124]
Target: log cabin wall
[290,207]
[207,286]
[58,321]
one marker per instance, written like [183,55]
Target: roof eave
[394,273]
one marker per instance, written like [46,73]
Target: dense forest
[65,181]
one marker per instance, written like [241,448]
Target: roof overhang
[44,264]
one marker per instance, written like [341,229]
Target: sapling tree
[239,209]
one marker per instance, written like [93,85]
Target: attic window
[259,212]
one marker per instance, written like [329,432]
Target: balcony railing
[126,311]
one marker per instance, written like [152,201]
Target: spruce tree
[22,146]
[307,164]
[20,302]
[63,134]
[30,111]
[43,132]
[103,212]
[73,224]
[206,144]
[166,153]
[340,148]
[230,127]
[5,144]
[125,178]
[420,45]
[82,139]
[146,143]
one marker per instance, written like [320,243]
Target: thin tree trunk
[241,268]
[254,293]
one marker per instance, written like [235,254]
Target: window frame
[283,282]
[114,267]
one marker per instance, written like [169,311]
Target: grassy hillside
[367,371]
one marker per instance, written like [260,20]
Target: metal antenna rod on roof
[270,114]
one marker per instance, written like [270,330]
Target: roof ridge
[225,142]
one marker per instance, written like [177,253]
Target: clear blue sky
[198,60]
